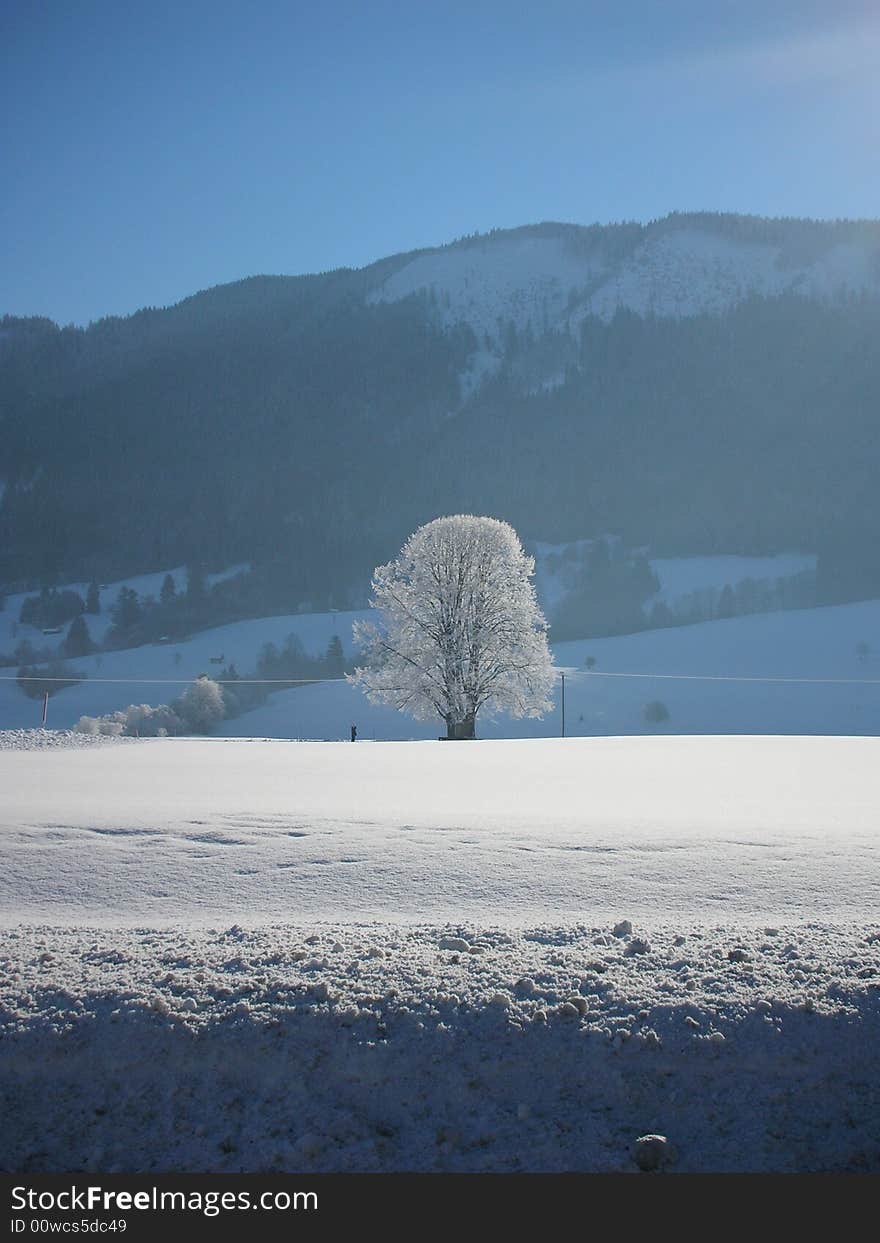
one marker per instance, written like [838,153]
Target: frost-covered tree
[461,629]
[201,706]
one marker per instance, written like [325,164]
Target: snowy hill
[553,277]
[13,631]
[557,566]
[820,646]
[156,673]
[682,576]
[839,693]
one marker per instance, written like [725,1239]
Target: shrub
[656,712]
[108,725]
[135,721]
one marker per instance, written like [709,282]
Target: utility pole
[45,709]
[562,675]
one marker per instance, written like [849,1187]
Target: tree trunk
[461,731]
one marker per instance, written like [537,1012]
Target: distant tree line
[56,675]
[750,595]
[51,608]
[611,589]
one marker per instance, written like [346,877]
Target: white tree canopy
[200,707]
[461,629]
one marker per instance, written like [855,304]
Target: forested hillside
[307,424]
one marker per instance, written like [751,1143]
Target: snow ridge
[52,739]
[680,268]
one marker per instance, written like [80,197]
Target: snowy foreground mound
[252,955]
[44,739]
[424,1048]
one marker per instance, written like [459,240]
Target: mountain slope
[700,384]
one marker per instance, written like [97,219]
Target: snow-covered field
[181,830]
[257,955]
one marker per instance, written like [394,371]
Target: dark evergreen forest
[288,422]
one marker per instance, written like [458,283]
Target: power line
[724,677]
[582,673]
[49,677]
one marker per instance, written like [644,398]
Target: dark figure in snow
[354,733]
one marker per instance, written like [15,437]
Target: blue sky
[150,150]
